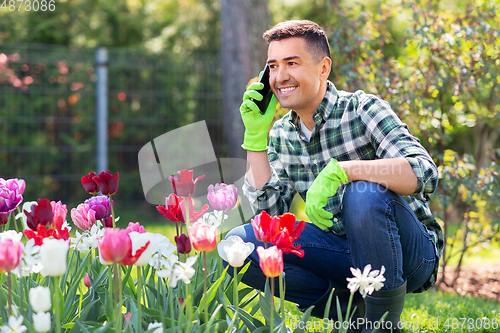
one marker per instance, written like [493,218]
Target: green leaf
[212,291]
[304,320]
[251,322]
[328,304]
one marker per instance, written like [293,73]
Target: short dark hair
[315,36]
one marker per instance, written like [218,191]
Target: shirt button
[315,161]
[335,219]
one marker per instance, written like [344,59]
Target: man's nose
[282,75]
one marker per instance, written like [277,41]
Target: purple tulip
[222,196]
[11,194]
[100,204]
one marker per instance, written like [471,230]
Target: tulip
[108,183]
[53,256]
[11,194]
[86,280]
[4,218]
[137,227]
[108,222]
[89,185]
[83,216]
[270,261]
[101,205]
[183,184]
[175,209]
[234,250]
[158,327]
[127,316]
[141,242]
[40,299]
[284,232]
[59,212]
[203,237]
[115,245]
[262,227]
[41,322]
[41,213]
[222,196]
[10,255]
[183,244]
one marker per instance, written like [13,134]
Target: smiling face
[297,79]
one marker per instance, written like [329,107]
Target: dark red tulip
[108,183]
[108,222]
[183,184]
[183,244]
[4,218]
[41,213]
[89,185]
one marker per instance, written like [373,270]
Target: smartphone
[265,92]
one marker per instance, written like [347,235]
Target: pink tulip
[86,280]
[10,255]
[83,216]
[271,261]
[60,212]
[11,194]
[203,237]
[115,246]
[137,227]
[222,196]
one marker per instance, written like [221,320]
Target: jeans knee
[362,202]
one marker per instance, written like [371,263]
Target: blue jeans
[380,229]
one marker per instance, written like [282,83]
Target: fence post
[101,57]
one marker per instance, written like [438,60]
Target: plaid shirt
[349,126]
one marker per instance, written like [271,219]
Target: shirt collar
[324,110]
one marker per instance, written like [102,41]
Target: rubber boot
[377,304]
[343,295]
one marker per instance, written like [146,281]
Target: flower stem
[187,305]
[9,286]
[236,298]
[57,305]
[282,296]
[271,328]
[112,210]
[139,298]
[205,284]
[118,281]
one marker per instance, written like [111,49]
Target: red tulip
[10,255]
[262,227]
[175,209]
[108,184]
[89,185]
[284,233]
[183,184]
[203,237]
[41,213]
[270,261]
[183,244]
[4,218]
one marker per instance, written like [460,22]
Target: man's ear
[326,67]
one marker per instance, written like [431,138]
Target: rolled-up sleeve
[392,138]
[277,194]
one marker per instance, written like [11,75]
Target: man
[363,176]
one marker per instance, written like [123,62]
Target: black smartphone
[265,92]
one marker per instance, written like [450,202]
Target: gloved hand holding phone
[323,187]
[256,122]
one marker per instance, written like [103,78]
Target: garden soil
[475,280]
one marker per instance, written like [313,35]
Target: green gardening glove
[323,187]
[256,124]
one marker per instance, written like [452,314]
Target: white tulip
[40,299]
[41,321]
[158,326]
[138,241]
[53,256]
[234,250]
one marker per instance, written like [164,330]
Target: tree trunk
[243,55]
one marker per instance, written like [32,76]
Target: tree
[243,55]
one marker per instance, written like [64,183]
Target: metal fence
[48,120]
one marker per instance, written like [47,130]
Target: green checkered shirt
[349,126]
